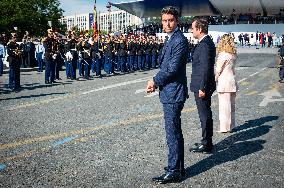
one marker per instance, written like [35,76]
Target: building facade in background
[119,21]
[81,21]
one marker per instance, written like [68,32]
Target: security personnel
[14,58]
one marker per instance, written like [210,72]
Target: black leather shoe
[182,172]
[47,82]
[202,149]
[168,178]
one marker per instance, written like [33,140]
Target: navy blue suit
[172,83]
[202,78]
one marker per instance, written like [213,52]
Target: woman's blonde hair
[227,44]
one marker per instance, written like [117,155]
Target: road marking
[117,85]
[268,97]
[251,93]
[258,72]
[65,140]
[152,94]
[45,101]
[140,91]
[242,80]
[2,167]
[241,68]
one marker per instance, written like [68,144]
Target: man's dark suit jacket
[202,77]
[171,79]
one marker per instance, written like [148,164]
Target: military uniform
[49,60]
[96,58]
[109,58]
[131,55]
[14,59]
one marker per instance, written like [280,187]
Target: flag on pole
[95,20]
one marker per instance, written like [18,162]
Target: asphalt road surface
[107,132]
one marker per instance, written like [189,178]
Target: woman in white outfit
[226,82]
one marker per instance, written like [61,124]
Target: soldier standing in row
[48,58]
[96,57]
[14,58]
[131,54]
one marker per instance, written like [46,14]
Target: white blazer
[225,72]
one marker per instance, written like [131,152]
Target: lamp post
[108,6]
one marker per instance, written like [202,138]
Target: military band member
[86,57]
[154,53]
[96,57]
[49,56]
[131,53]
[148,53]
[109,57]
[140,55]
[14,58]
[122,56]
[80,50]
[39,55]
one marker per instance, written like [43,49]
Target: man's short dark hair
[170,10]
[201,23]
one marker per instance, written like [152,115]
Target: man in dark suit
[172,83]
[202,81]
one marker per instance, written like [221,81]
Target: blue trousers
[281,73]
[108,66]
[14,76]
[131,60]
[140,62]
[47,71]
[122,62]
[39,61]
[87,66]
[72,68]
[96,66]
[148,61]
[81,67]
[1,66]
[154,61]
[174,136]
[68,69]
[52,71]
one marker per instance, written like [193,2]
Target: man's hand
[150,87]
[201,93]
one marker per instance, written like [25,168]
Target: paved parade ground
[107,132]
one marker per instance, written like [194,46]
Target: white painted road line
[258,71]
[117,85]
[152,94]
[140,91]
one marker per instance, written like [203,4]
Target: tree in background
[30,15]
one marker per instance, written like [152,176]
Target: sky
[72,7]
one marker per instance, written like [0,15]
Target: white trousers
[227,110]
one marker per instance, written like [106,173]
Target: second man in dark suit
[203,82]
